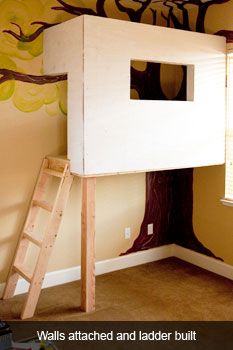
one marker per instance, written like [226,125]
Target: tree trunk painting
[169,194]
[169,207]
[158,209]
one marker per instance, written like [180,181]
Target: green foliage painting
[21,45]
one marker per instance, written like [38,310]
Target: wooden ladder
[59,168]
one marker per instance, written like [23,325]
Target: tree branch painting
[134,15]
[28,38]
[77,11]
[7,74]
[227,33]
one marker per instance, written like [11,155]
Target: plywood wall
[104,124]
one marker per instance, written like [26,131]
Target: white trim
[134,259]
[56,278]
[204,261]
[228,202]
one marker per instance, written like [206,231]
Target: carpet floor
[168,289]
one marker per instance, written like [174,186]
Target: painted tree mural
[169,196]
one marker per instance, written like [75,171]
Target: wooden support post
[88,245]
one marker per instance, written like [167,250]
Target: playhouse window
[161,81]
[229,134]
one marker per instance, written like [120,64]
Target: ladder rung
[32,239]
[43,204]
[59,159]
[23,272]
[53,172]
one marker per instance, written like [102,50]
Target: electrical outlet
[127,233]
[150,229]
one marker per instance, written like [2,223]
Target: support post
[88,245]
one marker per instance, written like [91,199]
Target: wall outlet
[150,229]
[127,233]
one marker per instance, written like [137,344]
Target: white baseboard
[74,273]
[204,261]
[134,259]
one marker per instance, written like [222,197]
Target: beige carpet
[169,289]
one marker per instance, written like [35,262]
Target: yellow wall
[213,222]
[25,140]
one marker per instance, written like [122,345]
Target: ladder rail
[36,277]
[47,246]
[22,245]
